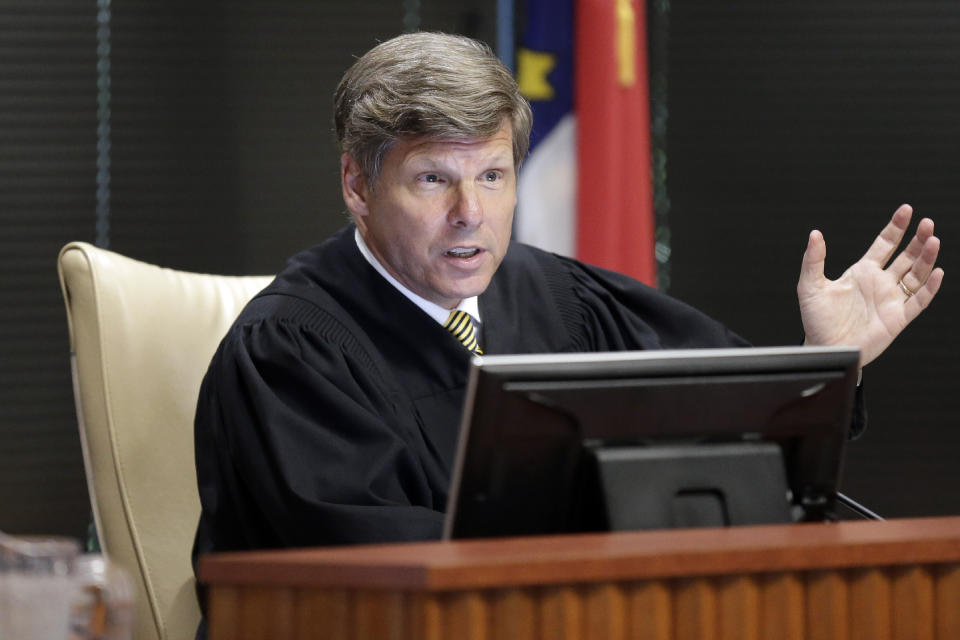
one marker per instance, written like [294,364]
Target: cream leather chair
[141,338]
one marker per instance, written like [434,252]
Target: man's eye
[492,176]
[431,177]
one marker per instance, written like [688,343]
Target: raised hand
[873,301]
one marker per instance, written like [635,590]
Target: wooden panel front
[899,603]
[782,609]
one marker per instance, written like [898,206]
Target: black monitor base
[693,485]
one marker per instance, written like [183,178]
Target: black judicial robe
[330,412]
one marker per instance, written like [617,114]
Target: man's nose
[467,211]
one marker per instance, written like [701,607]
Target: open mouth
[462,252]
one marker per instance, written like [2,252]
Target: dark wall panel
[48,125]
[223,158]
[790,116]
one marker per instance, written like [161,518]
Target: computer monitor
[556,443]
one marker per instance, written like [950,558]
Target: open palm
[873,301]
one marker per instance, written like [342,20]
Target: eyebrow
[425,162]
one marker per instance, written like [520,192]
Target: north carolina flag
[586,188]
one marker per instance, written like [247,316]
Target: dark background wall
[782,117]
[48,136]
[794,115]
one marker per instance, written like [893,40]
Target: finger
[917,303]
[908,256]
[814,257]
[922,267]
[886,243]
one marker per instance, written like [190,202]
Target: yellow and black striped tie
[464,328]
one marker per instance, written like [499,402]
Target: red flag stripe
[615,226]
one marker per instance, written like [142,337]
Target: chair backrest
[141,338]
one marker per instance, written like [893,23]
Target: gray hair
[431,85]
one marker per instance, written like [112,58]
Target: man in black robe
[329,414]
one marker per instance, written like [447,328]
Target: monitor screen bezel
[669,364]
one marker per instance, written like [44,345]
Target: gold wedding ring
[903,287]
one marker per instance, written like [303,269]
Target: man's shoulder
[562,273]
[519,253]
[312,291]
[322,264]
[303,320]
[524,256]
[527,260]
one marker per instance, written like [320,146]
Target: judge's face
[440,215]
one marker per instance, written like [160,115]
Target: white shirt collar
[432,309]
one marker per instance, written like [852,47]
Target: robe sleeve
[299,442]
[616,312]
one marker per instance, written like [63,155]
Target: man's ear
[354,186]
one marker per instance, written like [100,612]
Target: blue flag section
[545,64]
[546,214]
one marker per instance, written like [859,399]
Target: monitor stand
[692,485]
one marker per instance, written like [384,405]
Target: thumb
[811,271]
